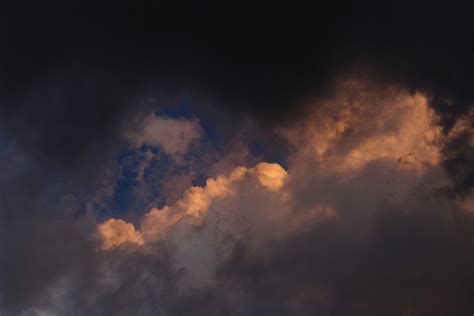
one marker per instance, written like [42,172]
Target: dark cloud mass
[133,145]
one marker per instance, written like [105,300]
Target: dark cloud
[413,265]
[88,64]
[74,77]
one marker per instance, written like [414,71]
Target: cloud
[271,175]
[373,217]
[364,188]
[194,204]
[360,125]
[172,135]
[459,155]
[360,221]
[115,232]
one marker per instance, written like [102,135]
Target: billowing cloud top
[271,160]
[361,161]
[195,204]
[360,125]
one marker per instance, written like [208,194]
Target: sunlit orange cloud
[156,224]
[355,126]
[358,125]
[116,232]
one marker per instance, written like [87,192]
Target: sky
[165,158]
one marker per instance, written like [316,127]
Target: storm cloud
[265,160]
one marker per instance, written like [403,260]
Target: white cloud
[173,136]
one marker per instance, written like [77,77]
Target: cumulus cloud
[371,213]
[360,221]
[194,204]
[360,124]
[173,135]
[363,162]
[115,232]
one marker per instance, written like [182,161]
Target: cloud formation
[172,135]
[359,222]
[195,203]
[366,108]
[115,232]
[361,124]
